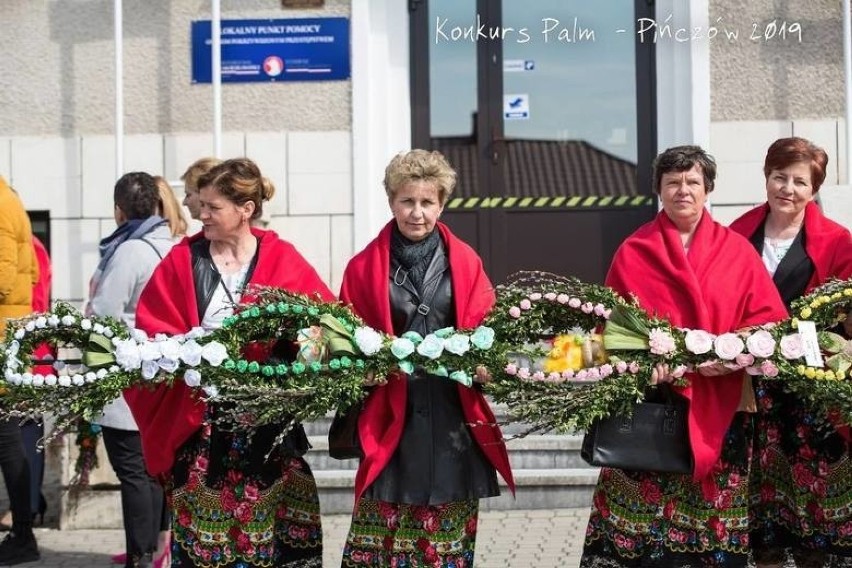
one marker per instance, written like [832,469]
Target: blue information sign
[315,49]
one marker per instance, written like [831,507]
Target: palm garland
[289,358]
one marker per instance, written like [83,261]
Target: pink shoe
[120,558]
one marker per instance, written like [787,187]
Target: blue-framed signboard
[309,49]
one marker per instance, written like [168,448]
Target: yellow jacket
[18,266]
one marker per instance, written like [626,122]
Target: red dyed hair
[785,152]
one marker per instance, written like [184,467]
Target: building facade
[603,89]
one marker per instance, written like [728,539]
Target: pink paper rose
[661,342]
[525,304]
[728,346]
[744,359]
[761,344]
[515,312]
[792,346]
[769,369]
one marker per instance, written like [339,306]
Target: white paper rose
[138,335]
[190,353]
[792,346]
[41,322]
[168,365]
[761,344]
[214,353]
[38,380]
[86,324]
[149,370]
[368,340]
[127,355]
[53,320]
[78,380]
[728,346]
[51,380]
[195,333]
[192,378]
[170,349]
[150,351]
[698,341]
[68,320]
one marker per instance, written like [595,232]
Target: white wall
[71,177]
[740,149]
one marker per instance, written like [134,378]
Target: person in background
[128,258]
[169,208]
[228,502]
[190,183]
[801,497]
[33,431]
[679,268]
[432,448]
[18,275]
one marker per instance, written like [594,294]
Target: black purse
[654,438]
[343,440]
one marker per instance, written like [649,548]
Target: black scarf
[413,256]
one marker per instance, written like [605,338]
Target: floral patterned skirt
[801,483]
[667,520]
[232,508]
[399,535]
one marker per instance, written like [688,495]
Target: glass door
[546,111]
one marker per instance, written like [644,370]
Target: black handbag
[654,438]
[343,440]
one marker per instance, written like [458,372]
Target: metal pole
[216,59]
[847,62]
[119,90]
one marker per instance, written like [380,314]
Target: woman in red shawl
[688,269]
[431,446]
[230,506]
[802,475]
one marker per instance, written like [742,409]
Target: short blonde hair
[420,165]
[196,170]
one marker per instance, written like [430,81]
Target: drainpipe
[216,60]
[119,89]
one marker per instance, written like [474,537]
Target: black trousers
[142,499]
[16,473]
[32,432]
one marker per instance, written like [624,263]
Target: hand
[661,374]
[371,380]
[482,375]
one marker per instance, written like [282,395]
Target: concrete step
[543,451]
[535,489]
[508,427]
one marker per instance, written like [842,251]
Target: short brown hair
[420,165]
[785,152]
[682,158]
[239,181]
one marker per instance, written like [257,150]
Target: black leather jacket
[434,301]
[206,277]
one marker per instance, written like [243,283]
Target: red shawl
[365,287]
[167,417]
[828,244]
[719,286]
